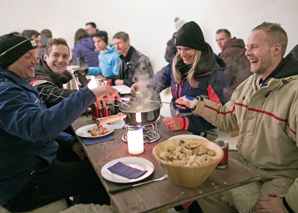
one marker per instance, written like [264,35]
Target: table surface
[161,195]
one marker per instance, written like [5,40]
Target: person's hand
[140,86]
[172,123]
[184,103]
[100,77]
[270,204]
[119,82]
[78,149]
[104,93]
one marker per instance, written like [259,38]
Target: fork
[122,188]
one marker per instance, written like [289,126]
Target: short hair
[275,34]
[55,41]
[92,24]
[81,33]
[228,34]
[121,35]
[46,33]
[30,33]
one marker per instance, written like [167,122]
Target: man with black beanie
[31,172]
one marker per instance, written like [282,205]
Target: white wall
[150,23]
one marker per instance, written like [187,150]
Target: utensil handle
[122,188]
[109,119]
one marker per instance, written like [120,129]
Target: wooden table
[164,194]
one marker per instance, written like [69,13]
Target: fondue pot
[135,114]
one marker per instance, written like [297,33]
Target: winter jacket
[85,51]
[109,63]
[30,131]
[50,84]
[233,53]
[212,85]
[135,67]
[266,117]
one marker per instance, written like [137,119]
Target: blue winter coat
[109,63]
[30,132]
[212,85]
[86,49]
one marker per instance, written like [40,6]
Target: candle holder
[135,141]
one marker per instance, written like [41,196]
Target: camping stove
[149,131]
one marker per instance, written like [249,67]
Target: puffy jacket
[30,131]
[212,85]
[50,84]
[109,63]
[233,53]
[85,48]
[135,67]
[266,117]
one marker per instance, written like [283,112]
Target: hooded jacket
[212,85]
[266,116]
[85,49]
[109,63]
[233,53]
[50,84]
[30,132]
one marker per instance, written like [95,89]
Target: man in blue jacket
[32,143]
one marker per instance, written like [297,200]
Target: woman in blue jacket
[194,71]
[109,61]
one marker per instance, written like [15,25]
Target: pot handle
[109,119]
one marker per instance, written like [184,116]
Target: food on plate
[97,130]
[188,153]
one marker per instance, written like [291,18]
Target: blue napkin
[126,171]
[90,141]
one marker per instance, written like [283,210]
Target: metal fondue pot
[135,115]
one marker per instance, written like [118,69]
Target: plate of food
[94,131]
[135,162]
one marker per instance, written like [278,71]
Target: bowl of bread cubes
[188,161]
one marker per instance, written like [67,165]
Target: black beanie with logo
[102,34]
[13,47]
[190,35]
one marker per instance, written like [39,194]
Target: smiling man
[51,73]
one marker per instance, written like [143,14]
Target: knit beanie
[178,23]
[190,35]
[101,34]
[13,47]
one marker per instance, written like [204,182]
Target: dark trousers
[67,176]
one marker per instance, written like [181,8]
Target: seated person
[84,53]
[39,163]
[51,73]
[233,53]
[45,35]
[194,71]
[135,66]
[34,35]
[108,58]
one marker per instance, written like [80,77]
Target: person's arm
[52,94]
[116,62]
[94,71]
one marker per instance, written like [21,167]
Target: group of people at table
[41,164]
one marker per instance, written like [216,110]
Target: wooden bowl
[188,176]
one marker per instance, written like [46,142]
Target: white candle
[135,141]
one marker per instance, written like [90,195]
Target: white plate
[187,136]
[83,131]
[135,162]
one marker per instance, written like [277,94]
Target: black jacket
[50,84]
[134,67]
